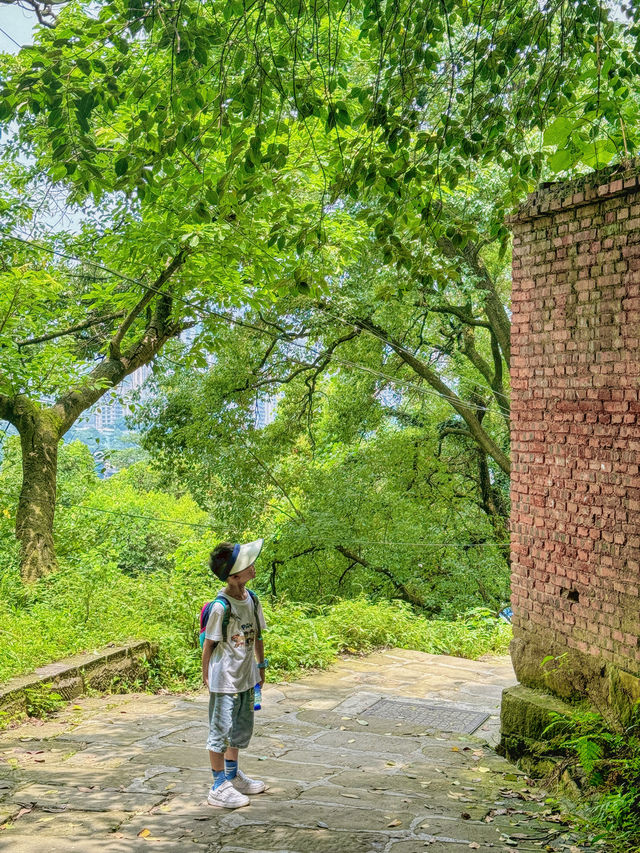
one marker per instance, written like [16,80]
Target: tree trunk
[36,507]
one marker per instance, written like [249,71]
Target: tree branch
[70,331]
[458,311]
[112,371]
[280,562]
[465,411]
[398,585]
[454,431]
[494,309]
[44,11]
[152,290]
[498,388]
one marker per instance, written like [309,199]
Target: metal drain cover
[443,718]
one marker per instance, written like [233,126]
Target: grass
[84,607]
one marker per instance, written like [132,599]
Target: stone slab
[295,840]
[303,813]
[73,675]
[332,758]
[368,742]
[53,844]
[70,822]
[44,796]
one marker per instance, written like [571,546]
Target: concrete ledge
[525,715]
[72,676]
[596,186]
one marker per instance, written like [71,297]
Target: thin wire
[199,310]
[5,33]
[433,544]
[65,505]
[135,515]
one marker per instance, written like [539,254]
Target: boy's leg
[231,763]
[222,793]
[241,731]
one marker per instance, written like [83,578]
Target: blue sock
[218,778]
[230,769]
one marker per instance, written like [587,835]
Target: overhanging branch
[465,411]
[153,290]
[94,321]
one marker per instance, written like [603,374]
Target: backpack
[221,598]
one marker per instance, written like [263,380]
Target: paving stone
[381,798]
[308,814]
[368,742]
[53,844]
[428,789]
[104,757]
[451,846]
[280,769]
[336,758]
[34,755]
[69,822]
[191,735]
[71,797]
[172,756]
[294,840]
[7,810]
[180,817]
[348,720]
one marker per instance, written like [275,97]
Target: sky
[16,25]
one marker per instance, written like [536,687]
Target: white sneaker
[242,783]
[226,797]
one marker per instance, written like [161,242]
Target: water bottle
[257,697]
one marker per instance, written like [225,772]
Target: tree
[209,145]
[349,497]
[354,418]
[162,240]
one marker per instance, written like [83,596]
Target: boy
[230,671]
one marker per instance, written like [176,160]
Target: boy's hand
[262,679]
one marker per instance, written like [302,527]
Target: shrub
[90,603]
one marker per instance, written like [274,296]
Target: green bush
[88,604]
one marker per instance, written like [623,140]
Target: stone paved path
[122,774]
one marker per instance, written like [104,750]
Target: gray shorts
[230,720]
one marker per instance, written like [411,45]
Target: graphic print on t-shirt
[246,637]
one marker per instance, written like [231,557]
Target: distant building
[109,412]
[265,411]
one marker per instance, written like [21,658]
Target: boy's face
[245,575]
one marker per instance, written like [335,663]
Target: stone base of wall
[525,718]
[572,675]
[71,677]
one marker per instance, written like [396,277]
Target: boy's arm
[259,650]
[207,649]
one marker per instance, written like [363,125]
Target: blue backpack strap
[206,612]
[224,601]
[254,599]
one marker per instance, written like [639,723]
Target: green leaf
[122,166]
[561,160]
[559,131]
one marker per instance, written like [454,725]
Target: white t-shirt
[233,667]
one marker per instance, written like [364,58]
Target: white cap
[246,556]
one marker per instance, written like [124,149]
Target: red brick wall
[576,421]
